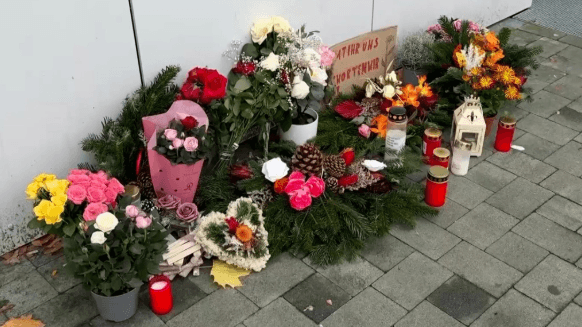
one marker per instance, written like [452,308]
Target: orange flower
[381,123]
[476,86]
[505,75]
[280,185]
[486,82]
[459,57]
[466,77]
[492,42]
[244,233]
[423,89]
[410,96]
[512,93]
[493,58]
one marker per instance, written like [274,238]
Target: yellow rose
[52,220]
[57,186]
[281,25]
[44,177]
[59,199]
[42,208]
[261,28]
[53,214]
[32,190]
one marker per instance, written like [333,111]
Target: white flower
[281,25]
[473,56]
[389,91]
[392,77]
[310,57]
[271,62]
[318,75]
[98,238]
[275,169]
[374,165]
[106,222]
[370,89]
[300,90]
[261,28]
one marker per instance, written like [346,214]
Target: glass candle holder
[441,157]
[461,157]
[160,289]
[505,131]
[431,140]
[435,193]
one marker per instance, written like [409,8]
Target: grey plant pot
[117,308]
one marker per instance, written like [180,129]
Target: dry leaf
[5,306]
[309,308]
[226,274]
[54,273]
[24,321]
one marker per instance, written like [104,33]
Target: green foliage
[181,155]
[215,191]
[117,147]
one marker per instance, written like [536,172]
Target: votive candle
[161,299]
[435,192]
[505,131]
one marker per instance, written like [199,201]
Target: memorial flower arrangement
[183,141]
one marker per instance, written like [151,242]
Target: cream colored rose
[311,57]
[318,75]
[281,25]
[389,91]
[98,238]
[271,62]
[106,222]
[392,77]
[261,27]
[274,169]
[300,90]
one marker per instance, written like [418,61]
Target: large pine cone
[308,159]
[334,165]
[144,181]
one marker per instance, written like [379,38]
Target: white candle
[159,285]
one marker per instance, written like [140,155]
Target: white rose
[261,28]
[274,169]
[374,165]
[281,25]
[106,222]
[300,90]
[271,62]
[98,238]
[389,91]
[319,75]
[310,57]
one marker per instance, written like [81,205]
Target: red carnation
[386,104]
[240,172]
[349,109]
[523,79]
[189,123]
[214,87]
[191,91]
[197,74]
[348,155]
[348,180]
[244,68]
[232,224]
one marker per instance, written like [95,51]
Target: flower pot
[489,122]
[301,133]
[117,308]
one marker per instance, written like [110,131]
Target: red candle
[504,137]
[161,295]
[430,140]
[440,157]
[436,186]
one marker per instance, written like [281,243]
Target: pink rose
[100,177]
[77,194]
[458,24]
[142,222]
[170,134]
[327,55]
[131,211]
[116,186]
[296,175]
[93,210]
[300,200]
[474,27]
[316,186]
[110,197]
[176,143]
[95,194]
[169,202]
[364,130]
[434,28]
[79,179]
[187,211]
[79,172]
[190,144]
[98,184]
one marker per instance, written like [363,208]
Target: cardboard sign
[364,56]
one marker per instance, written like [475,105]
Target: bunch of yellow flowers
[50,209]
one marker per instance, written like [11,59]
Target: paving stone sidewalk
[504,251]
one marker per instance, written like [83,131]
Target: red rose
[189,122]
[232,224]
[214,87]
[386,104]
[244,68]
[429,102]
[179,96]
[348,180]
[191,91]
[197,74]
[348,155]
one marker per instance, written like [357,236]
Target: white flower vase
[300,134]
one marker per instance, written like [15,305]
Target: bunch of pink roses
[190,144]
[142,219]
[95,190]
[301,192]
[438,31]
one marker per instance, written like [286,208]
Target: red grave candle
[436,186]
[161,299]
[440,157]
[430,140]
[505,131]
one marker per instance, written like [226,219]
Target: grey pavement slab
[386,252]
[568,117]
[571,52]
[480,268]
[567,185]
[578,138]
[465,192]
[426,314]
[576,104]
[226,307]
[490,176]
[41,259]
[461,299]
[566,65]
[14,272]
[510,23]
[61,280]
[282,273]
[69,309]
[568,158]
[3,319]
[205,281]
[549,46]
[448,214]
[27,293]
[569,87]
[544,104]
[428,238]
[278,313]
[563,212]
[412,280]
[369,308]
[570,317]
[483,225]
[535,146]
[545,74]
[578,299]
[537,84]
[484,155]
[553,283]
[144,317]
[560,241]
[353,276]
[520,198]
[572,40]
[314,292]
[522,38]
[420,175]
[517,252]
[512,109]
[516,310]
[522,165]
[540,30]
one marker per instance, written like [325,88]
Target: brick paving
[506,249]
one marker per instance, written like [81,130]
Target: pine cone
[144,181]
[331,184]
[365,177]
[308,159]
[334,165]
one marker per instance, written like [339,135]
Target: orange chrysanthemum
[244,233]
[492,42]
[466,77]
[486,82]
[280,185]
[517,81]
[493,58]
[380,123]
[505,75]
[459,57]
[423,89]
[512,93]
[476,86]
[410,96]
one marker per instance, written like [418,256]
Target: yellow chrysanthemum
[59,199]
[486,82]
[42,208]
[466,77]
[512,93]
[44,177]
[57,186]
[517,81]
[32,190]
[506,75]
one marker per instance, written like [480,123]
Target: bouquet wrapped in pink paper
[176,148]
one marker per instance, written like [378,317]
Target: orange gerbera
[459,57]
[423,89]
[381,123]
[410,96]
[512,93]
[280,185]
[244,233]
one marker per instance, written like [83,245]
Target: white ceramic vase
[300,134]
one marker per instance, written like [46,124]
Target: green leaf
[315,105]
[250,50]
[282,92]
[236,107]
[265,51]
[35,223]
[135,282]
[69,229]
[242,84]
[247,113]
[136,248]
[317,92]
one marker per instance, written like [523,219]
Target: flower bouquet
[203,85]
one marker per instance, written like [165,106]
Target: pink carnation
[79,172]
[170,134]
[364,130]
[300,200]
[116,186]
[434,28]
[316,186]
[95,194]
[77,194]
[327,55]
[93,210]
[190,144]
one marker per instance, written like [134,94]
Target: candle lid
[433,132]
[463,144]
[132,190]
[507,121]
[397,114]
[441,153]
[438,172]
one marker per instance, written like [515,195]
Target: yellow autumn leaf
[226,274]
[24,321]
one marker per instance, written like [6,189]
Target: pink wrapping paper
[179,180]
